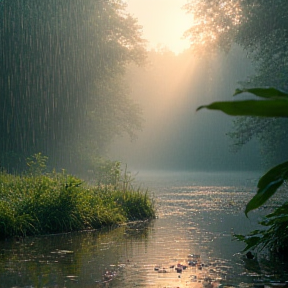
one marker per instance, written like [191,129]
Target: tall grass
[35,204]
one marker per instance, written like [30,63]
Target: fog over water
[174,136]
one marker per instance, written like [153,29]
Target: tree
[255,25]
[260,27]
[215,23]
[60,77]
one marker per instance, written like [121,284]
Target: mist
[174,136]
[73,91]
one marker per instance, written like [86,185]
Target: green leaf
[263,194]
[270,92]
[275,173]
[251,242]
[282,210]
[275,220]
[239,237]
[268,185]
[267,108]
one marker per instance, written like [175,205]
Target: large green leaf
[266,108]
[275,173]
[263,92]
[263,195]
[268,185]
[274,105]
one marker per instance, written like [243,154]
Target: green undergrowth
[56,203]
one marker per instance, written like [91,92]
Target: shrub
[34,204]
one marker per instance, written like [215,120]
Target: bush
[56,202]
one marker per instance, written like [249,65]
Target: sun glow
[164,22]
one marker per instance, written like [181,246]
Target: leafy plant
[37,163]
[275,105]
[259,29]
[105,171]
[34,204]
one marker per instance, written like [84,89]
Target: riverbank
[57,203]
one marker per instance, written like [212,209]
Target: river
[197,214]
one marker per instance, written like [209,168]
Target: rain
[93,98]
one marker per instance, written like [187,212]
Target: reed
[56,203]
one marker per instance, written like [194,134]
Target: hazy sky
[163,21]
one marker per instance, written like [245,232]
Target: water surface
[197,214]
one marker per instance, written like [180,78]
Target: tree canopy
[261,30]
[60,77]
[259,27]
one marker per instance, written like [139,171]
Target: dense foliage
[61,70]
[42,203]
[260,28]
[275,234]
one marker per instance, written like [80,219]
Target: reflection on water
[197,213]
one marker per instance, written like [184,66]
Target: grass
[56,203]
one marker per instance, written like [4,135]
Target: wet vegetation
[259,28]
[63,95]
[37,203]
[64,92]
[274,235]
[62,88]
[267,118]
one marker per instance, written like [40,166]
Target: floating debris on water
[201,278]
[109,275]
[195,256]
